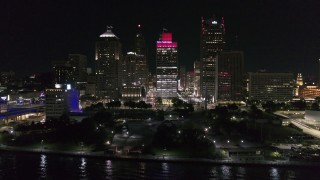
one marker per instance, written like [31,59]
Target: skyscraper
[212,41]
[63,73]
[182,78]
[197,76]
[229,76]
[140,43]
[134,69]
[108,54]
[79,62]
[166,67]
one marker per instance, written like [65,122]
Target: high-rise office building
[140,43]
[270,86]
[299,82]
[63,73]
[7,78]
[167,67]
[182,78]
[79,62]
[61,99]
[190,77]
[108,56]
[212,41]
[197,76]
[229,76]
[134,69]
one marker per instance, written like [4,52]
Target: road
[305,128]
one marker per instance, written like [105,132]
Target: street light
[241,141]
[228,141]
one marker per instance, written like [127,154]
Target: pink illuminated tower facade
[167,67]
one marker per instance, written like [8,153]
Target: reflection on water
[43,166]
[83,167]
[165,167]
[290,174]
[226,173]
[214,172]
[36,166]
[274,174]
[142,169]
[241,173]
[109,168]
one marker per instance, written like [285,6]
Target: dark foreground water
[36,166]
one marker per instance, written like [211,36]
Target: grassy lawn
[180,152]
[272,133]
[185,152]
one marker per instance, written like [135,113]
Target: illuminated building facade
[182,78]
[108,55]
[197,76]
[190,77]
[60,100]
[299,82]
[63,73]
[270,86]
[308,92]
[166,67]
[134,69]
[229,77]
[3,106]
[131,93]
[212,41]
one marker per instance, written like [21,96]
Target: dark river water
[26,166]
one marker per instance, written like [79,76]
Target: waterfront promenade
[164,158]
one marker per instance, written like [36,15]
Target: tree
[269,106]
[301,104]
[177,102]
[315,106]
[232,107]
[159,101]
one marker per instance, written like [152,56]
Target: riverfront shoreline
[151,158]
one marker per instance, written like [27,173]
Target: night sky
[277,35]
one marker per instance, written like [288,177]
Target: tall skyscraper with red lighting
[167,67]
[212,41]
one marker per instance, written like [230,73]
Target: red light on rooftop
[166,36]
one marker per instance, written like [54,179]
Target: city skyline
[277,36]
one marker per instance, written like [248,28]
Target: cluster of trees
[182,108]
[271,106]
[192,140]
[92,130]
[117,104]
[140,105]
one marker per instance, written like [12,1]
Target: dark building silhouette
[229,76]
[212,41]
